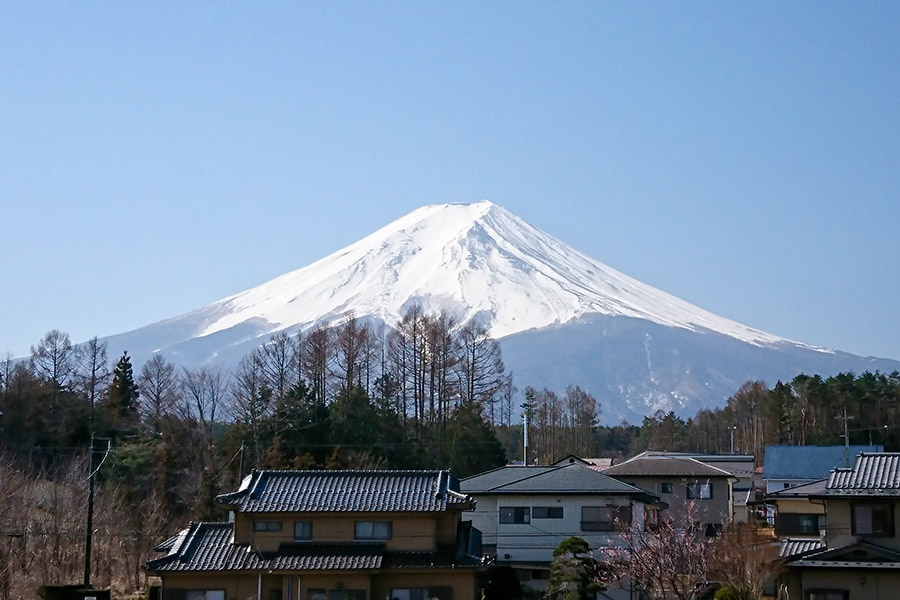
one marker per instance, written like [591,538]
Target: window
[302,530]
[266,525]
[321,594]
[798,524]
[547,512]
[441,593]
[372,530]
[604,518]
[873,519]
[828,595]
[515,514]
[346,594]
[205,595]
[702,491]
[665,487]
[712,529]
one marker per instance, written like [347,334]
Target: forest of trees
[427,393]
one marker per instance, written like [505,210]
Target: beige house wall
[296,586]
[409,531]
[800,506]
[839,531]
[464,585]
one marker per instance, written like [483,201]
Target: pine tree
[119,411]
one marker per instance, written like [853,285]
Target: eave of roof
[210,548]
[837,558]
[804,490]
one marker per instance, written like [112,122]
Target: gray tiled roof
[796,547]
[859,555]
[206,547]
[346,491]
[807,462]
[573,478]
[873,474]
[661,466]
[501,476]
[209,547]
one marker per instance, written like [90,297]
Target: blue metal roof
[808,462]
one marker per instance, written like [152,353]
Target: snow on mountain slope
[477,260]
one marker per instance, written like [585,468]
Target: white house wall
[535,541]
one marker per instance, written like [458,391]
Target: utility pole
[526,411]
[89,530]
[731,431]
[846,419]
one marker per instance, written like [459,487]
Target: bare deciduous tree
[668,559]
[53,359]
[92,374]
[204,391]
[159,383]
[744,559]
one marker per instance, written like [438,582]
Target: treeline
[424,394]
[427,393]
[808,410]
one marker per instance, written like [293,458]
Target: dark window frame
[695,490]
[204,591]
[666,487]
[824,593]
[547,512]
[787,524]
[304,535]
[885,528]
[374,535]
[515,515]
[267,525]
[606,518]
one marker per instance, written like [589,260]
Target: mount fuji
[562,318]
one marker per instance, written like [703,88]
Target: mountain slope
[478,261]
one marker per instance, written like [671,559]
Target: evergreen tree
[471,446]
[119,411]
[574,573]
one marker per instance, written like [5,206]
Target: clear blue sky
[158,156]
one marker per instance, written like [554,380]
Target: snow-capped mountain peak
[477,260]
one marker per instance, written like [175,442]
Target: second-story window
[372,530]
[798,524]
[604,518]
[699,491]
[302,530]
[665,487]
[515,514]
[546,512]
[266,525]
[873,519]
